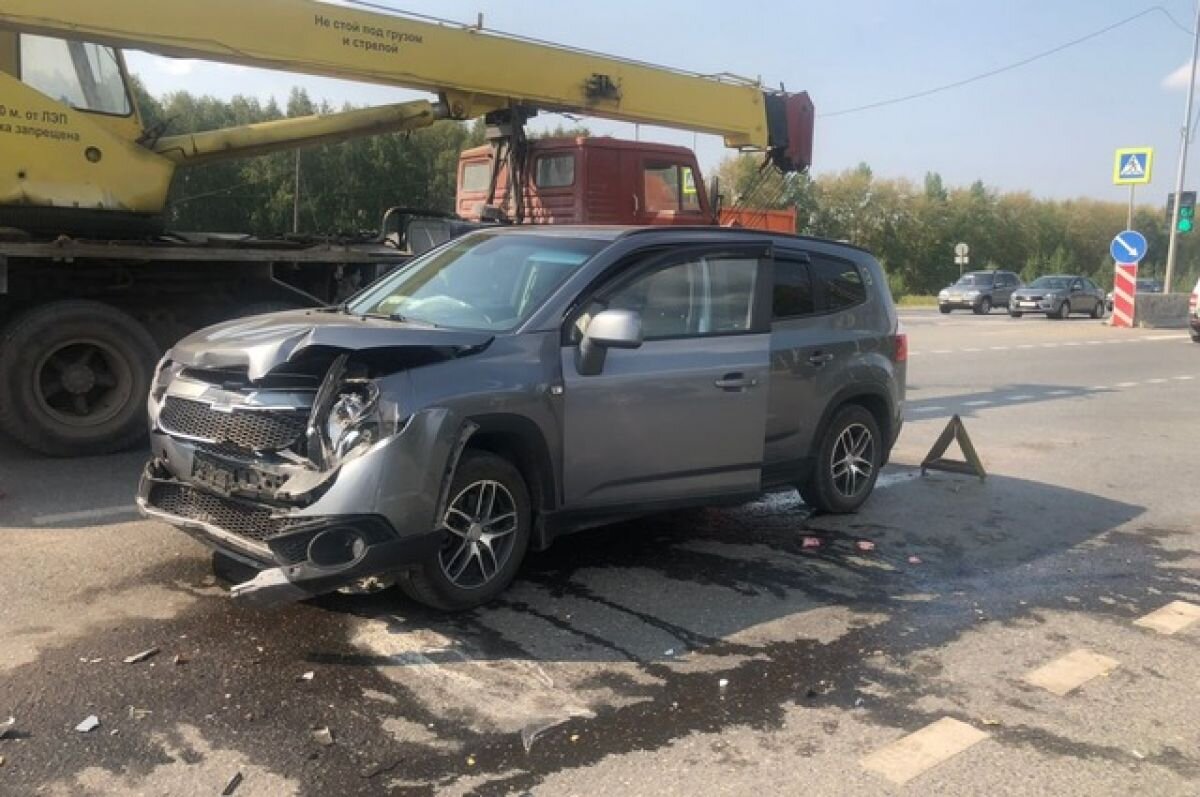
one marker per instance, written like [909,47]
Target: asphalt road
[706,652]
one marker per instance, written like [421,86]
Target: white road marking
[1027,346]
[1020,397]
[1183,378]
[999,348]
[1155,381]
[928,409]
[1069,672]
[979,403]
[1059,392]
[943,351]
[972,350]
[1072,343]
[85,514]
[912,755]
[886,480]
[1095,343]
[1126,384]
[1049,345]
[1099,388]
[1175,616]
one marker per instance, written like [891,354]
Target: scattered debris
[811,542]
[669,652]
[308,676]
[574,737]
[88,725]
[470,760]
[865,545]
[323,735]
[914,560]
[858,702]
[232,785]
[724,682]
[1137,755]
[1,760]
[139,713]
[139,657]
[7,726]
[180,659]
[531,732]
[114,731]
[989,721]
[379,769]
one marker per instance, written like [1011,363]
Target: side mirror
[610,329]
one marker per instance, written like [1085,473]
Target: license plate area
[229,478]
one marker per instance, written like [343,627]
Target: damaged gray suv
[517,384]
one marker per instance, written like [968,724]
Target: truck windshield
[85,76]
[487,280]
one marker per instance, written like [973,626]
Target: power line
[1014,65]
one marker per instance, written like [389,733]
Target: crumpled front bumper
[384,502]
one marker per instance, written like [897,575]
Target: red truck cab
[601,180]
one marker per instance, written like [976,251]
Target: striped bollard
[1124,293]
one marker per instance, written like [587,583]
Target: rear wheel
[945,310]
[848,462]
[485,533]
[74,376]
[984,307]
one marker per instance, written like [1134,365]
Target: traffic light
[1187,212]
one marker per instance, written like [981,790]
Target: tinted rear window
[839,281]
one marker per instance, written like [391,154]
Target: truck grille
[254,430]
[245,520]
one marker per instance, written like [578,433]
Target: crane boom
[475,71]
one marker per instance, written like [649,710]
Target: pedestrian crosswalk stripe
[920,751]
[1071,671]
[1174,617]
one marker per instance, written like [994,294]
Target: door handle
[820,358]
[735,381]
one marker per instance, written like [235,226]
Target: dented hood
[262,343]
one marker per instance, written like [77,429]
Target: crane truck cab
[602,180]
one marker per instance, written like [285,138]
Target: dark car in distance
[514,385]
[979,291]
[1057,296]
[1144,285]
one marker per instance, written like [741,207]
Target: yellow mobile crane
[90,287]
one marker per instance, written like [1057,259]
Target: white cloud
[176,66]
[1178,79]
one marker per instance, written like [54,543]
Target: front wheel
[74,376]
[945,310]
[848,462]
[1015,313]
[984,307]
[485,533]
[1064,310]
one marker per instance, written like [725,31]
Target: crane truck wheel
[74,376]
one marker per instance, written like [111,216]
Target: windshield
[974,280]
[487,281]
[1053,283]
[84,76]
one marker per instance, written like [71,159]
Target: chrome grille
[254,430]
[245,520]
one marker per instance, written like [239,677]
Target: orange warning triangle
[935,459]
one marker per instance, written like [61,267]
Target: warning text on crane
[369,38]
[36,123]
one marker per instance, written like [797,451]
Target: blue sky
[1049,127]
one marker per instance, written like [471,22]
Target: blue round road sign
[1128,247]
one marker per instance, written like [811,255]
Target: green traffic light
[1185,224]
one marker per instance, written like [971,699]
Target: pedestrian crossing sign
[1132,165]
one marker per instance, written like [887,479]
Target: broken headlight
[353,421]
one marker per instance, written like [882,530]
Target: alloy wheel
[852,461]
[481,524]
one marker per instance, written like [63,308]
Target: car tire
[456,577]
[826,489]
[1064,310]
[944,310]
[984,307]
[1015,313]
[74,376]
[1098,310]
